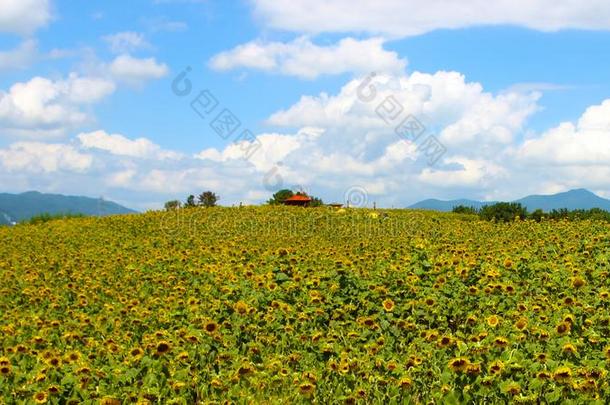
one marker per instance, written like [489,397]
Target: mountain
[572,200]
[20,207]
[440,205]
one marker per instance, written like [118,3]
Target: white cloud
[37,157]
[127,41]
[24,16]
[136,71]
[19,58]
[472,173]
[342,141]
[304,59]
[586,143]
[117,144]
[43,107]
[331,143]
[468,119]
[400,18]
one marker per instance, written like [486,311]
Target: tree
[316,202]
[537,215]
[462,209]
[190,201]
[208,199]
[280,196]
[503,211]
[172,205]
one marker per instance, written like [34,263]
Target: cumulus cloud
[43,107]
[24,16]
[586,143]
[38,157]
[401,18]
[304,59]
[136,71]
[350,138]
[127,41]
[467,119]
[118,144]
[328,144]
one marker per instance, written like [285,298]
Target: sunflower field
[290,305]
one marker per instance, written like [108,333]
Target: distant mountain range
[572,200]
[19,207]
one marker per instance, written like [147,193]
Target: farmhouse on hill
[298,200]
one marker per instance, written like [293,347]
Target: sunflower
[607,352]
[136,353]
[569,348]
[562,374]
[210,326]
[54,362]
[501,341]
[5,370]
[388,305]
[458,364]
[512,388]
[563,327]
[543,375]
[163,347]
[521,324]
[493,320]
[445,341]
[241,307]
[216,383]
[110,401]
[405,382]
[578,282]
[473,369]
[306,388]
[542,357]
[183,356]
[496,367]
[40,397]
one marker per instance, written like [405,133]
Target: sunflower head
[163,347]
[493,320]
[563,328]
[40,397]
[306,388]
[562,374]
[210,326]
[458,364]
[388,305]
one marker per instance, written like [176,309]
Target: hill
[572,200]
[20,207]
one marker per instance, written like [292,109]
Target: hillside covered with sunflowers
[292,305]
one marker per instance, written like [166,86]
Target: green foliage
[503,212]
[595,214]
[190,202]
[462,209]
[316,202]
[172,205]
[280,196]
[46,217]
[537,215]
[208,199]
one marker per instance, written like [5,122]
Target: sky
[383,102]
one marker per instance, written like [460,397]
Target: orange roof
[298,197]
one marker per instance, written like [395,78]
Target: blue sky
[514,95]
